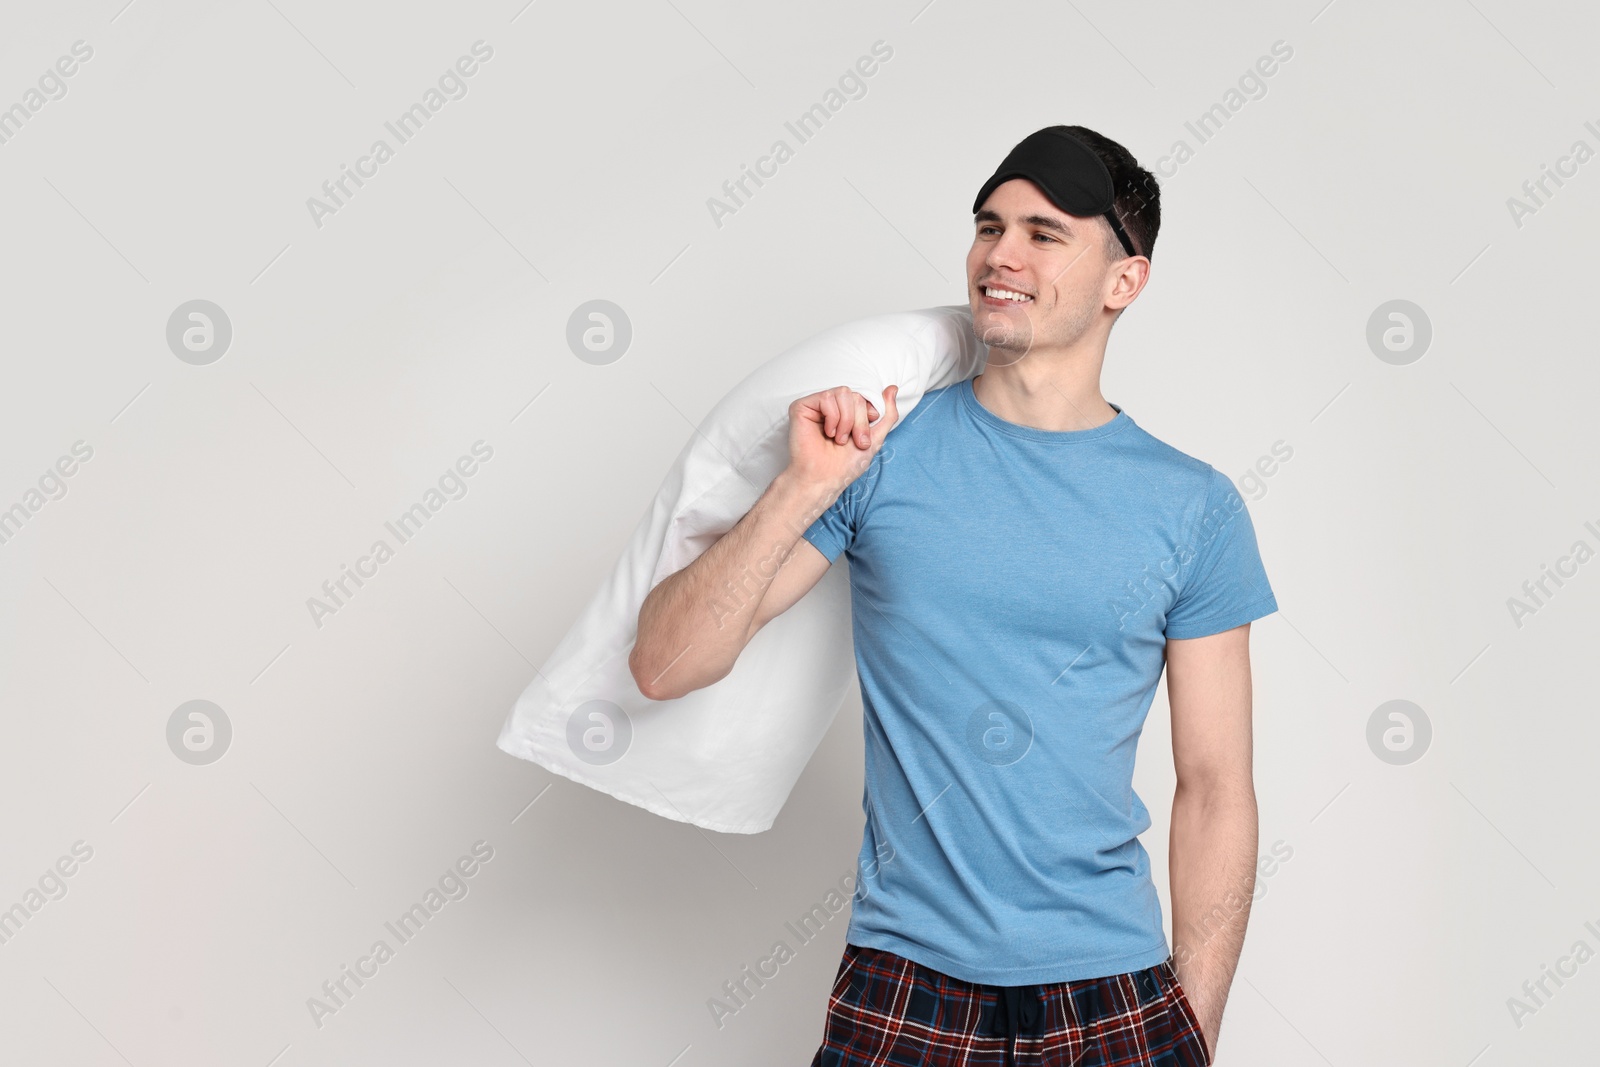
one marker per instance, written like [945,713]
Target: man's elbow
[677,678]
[1217,787]
[647,677]
[657,681]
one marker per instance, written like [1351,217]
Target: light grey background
[430,312]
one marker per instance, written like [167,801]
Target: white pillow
[725,757]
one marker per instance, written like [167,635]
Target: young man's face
[1024,243]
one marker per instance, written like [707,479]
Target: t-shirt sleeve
[1226,585]
[835,529]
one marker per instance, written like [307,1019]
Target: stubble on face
[1051,318]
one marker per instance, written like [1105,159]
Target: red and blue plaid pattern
[888,1011]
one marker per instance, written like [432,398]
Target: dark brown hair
[1137,200]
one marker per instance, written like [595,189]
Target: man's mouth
[998,296]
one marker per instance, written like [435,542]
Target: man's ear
[1134,275]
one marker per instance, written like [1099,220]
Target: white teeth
[1005,294]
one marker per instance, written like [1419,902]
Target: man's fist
[830,439]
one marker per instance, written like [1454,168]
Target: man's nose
[1006,252]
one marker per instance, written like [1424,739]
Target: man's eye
[1046,236]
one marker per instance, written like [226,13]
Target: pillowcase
[726,756]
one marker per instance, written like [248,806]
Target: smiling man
[1021,574]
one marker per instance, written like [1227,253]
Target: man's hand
[830,441]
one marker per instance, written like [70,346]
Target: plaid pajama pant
[888,1011]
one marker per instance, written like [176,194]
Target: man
[1024,561]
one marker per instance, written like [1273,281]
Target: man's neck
[1033,393]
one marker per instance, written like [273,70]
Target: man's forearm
[1212,863]
[694,623]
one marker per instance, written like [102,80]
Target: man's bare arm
[694,623]
[1212,850]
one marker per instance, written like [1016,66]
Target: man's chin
[1003,331]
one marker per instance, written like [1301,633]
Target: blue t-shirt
[1012,592]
